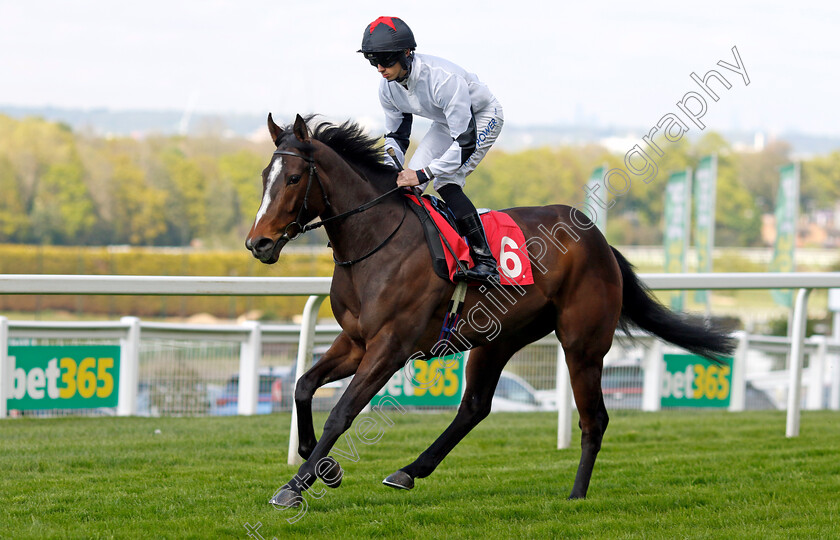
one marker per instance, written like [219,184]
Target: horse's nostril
[262,244]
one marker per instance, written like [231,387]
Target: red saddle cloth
[506,242]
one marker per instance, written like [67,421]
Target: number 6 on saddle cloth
[506,240]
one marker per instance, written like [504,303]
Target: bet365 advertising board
[693,381]
[63,377]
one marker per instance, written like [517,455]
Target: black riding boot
[486,267]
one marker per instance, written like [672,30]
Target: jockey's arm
[398,129]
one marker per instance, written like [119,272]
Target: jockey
[466,120]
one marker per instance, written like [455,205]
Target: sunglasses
[384,59]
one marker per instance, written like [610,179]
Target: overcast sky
[548,62]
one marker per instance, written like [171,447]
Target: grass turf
[663,475]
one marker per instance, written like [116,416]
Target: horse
[390,303]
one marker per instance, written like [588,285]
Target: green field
[659,475]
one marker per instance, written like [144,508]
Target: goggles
[385,59]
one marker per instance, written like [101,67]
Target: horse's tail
[641,309]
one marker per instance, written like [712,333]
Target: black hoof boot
[399,480]
[286,497]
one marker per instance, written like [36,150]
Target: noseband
[313,173]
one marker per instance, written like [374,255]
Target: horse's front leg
[382,359]
[340,361]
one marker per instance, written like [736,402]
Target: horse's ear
[274,129]
[300,130]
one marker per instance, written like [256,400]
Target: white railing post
[738,397]
[307,337]
[564,401]
[834,393]
[129,367]
[652,384]
[5,368]
[249,370]
[816,374]
[797,336]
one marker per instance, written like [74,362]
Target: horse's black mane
[350,142]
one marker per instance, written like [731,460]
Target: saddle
[507,242]
[436,249]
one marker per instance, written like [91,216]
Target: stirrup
[477,274]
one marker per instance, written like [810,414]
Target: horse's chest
[366,315]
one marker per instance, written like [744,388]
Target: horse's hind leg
[586,385]
[483,370]
[585,357]
[340,361]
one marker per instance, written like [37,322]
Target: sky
[606,64]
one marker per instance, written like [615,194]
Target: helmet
[387,34]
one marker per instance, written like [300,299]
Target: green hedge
[18,259]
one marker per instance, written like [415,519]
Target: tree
[759,172]
[534,177]
[186,208]
[33,146]
[138,216]
[63,211]
[737,221]
[14,222]
[242,171]
[820,186]
[644,202]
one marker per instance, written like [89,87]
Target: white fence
[155,356]
[251,336]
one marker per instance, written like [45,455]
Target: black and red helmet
[387,34]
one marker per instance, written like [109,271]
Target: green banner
[677,220]
[434,383]
[693,381]
[705,194]
[787,210]
[63,377]
[592,190]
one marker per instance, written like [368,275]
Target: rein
[377,248]
[313,173]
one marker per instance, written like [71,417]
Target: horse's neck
[357,234]
[347,188]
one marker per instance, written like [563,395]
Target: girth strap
[456,307]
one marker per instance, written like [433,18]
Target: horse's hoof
[286,498]
[399,480]
[329,471]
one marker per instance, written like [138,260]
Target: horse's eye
[293,179]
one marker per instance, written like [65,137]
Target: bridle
[313,173]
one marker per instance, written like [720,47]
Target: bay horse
[390,303]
